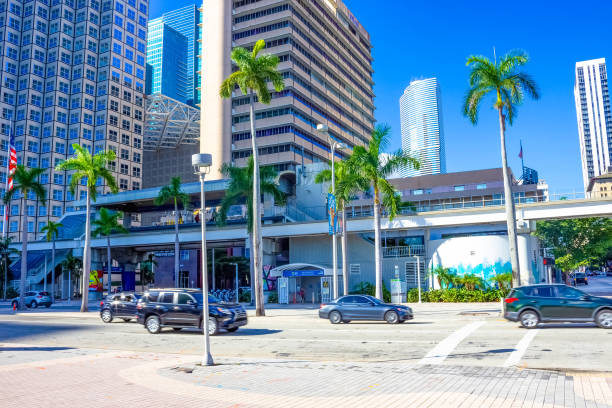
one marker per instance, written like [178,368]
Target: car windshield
[580,275]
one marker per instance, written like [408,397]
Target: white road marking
[520,349]
[446,346]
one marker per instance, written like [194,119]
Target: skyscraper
[325,58]
[594,118]
[421,123]
[167,57]
[186,22]
[72,72]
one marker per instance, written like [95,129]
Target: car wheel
[126,320]
[529,319]
[335,317]
[391,317]
[232,329]
[604,319]
[153,324]
[107,316]
[213,326]
[33,305]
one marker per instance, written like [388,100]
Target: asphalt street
[448,334]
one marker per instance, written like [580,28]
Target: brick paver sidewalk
[47,377]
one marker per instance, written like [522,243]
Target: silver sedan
[363,307]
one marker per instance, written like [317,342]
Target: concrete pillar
[215,117]
[525,257]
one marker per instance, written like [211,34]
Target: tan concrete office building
[326,61]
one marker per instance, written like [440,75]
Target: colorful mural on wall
[483,256]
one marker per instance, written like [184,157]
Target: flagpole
[8,175]
[522,162]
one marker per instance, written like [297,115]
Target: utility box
[398,291]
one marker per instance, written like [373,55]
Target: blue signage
[332,214]
[305,272]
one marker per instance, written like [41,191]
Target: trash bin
[398,291]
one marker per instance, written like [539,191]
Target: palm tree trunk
[344,254]
[377,259]
[256,249]
[176,246]
[509,204]
[24,253]
[109,268]
[53,272]
[86,256]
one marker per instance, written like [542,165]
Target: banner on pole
[332,214]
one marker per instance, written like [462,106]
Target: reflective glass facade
[73,71]
[421,122]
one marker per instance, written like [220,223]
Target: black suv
[119,305]
[181,308]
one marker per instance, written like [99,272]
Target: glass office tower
[73,71]
[167,57]
[421,123]
[594,118]
[185,21]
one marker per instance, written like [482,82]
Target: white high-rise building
[594,118]
[421,122]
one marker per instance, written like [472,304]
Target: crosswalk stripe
[520,348]
[446,346]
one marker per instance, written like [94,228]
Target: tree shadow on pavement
[238,333]
[34,348]
[12,331]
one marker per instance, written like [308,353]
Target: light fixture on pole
[334,145]
[201,166]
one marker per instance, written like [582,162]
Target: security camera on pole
[201,166]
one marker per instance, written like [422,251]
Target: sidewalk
[83,377]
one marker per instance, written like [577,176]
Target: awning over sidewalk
[302,269]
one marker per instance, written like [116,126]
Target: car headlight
[224,310]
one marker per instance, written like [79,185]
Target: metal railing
[403,251]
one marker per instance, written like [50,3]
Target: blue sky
[420,39]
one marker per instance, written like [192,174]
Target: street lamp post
[334,145]
[201,165]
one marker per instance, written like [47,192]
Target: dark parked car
[363,307]
[532,305]
[579,277]
[120,305]
[34,299]
[181,308]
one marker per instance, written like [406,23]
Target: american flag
[12,162]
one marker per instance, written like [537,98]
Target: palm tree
[252,77]
[503,280]
[51,230]
[25,181]
[74,267]
[369,163]
[443,275]
[6,250]
[348,184]
[239,191]
[470,282]
[107,224]
[91,168]
[508,85]
[172,193]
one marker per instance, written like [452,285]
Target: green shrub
[244,296]
[273,297]
[455,295]
[366,288]
[11,293]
